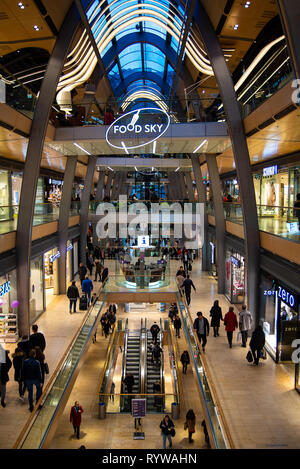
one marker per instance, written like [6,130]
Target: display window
[8,308]
[69,263]
[36,301]
[75,257]
[213,258]
[51,275]
[4,195]
[235,277]
[281,322]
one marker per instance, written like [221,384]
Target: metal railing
[216,423]
[37,428]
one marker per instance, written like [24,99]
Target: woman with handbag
[230,323]
[190,423]
[167,430]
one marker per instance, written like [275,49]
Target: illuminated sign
[4,288]
[53,257]
[143,241]
[270,171]
[286,296]
[235,261]
[139,127]
[69,247]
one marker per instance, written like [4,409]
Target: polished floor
[260,404]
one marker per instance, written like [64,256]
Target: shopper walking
[216,317]
[75,418]
[41,359]
[190,422]
[257,343]
[106,327]
[18,362]
[129,382]
[187,285]
[201,327]
[73,295]
[37,339]
[98,269]
[5,366]
[167,428]
[90,263]
[112,392]
[87,287]
[82,272]
[230,322]
[33,377]
[154,329]
[181,272]
[245,324]
[25,345]
[185,360]
[104,275]
[177,325]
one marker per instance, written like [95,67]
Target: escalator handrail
[142,359]
[146,359]
[111,343]
[124,356]
[162,381]
[175,371]
[229,443]
[30,421]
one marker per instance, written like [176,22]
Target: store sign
[140,127]
[69,247]
[138,407]
[212,252]
[292,227]
[53,257]
[5,288]
[270,171]
[286,296]
[235,261]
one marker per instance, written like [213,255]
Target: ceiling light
[36,27]
[78,146]
[199,146]
[247,4]
[177,169]
[154,147]
[235,26]
[123,145]
[21,5]
[110,168]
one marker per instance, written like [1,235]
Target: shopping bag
[249,356]
[239,336]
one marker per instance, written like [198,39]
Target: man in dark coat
[154,329]
[177,325]
[104,275]
[129,381]
[25,345]
[4,378]
[257,343]
[73,295]
[187,285]
[33,376]
[216,317]
[201,327]
[82,272]
[37,339]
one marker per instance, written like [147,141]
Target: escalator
[154,375]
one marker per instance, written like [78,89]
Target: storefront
[4,195]
[8,307]
[235,282]
[51,275]
[212,258]
[281,321]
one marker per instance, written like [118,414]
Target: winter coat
[206,325]
[166,427]
[25,345]
[32,370]
[245,320]
[181,272]
[73,292]
[38,340]
[257,341]
[177,323]
[230,321]
[4,369]
[104,274]
[190,425]
[185,358]
[18,361]
[87,285]
[154,329]
[75,415]
[216,316]
[82,272]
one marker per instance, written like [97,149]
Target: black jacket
[82,272]
[18,362]
[26,346]
[165,428]
[179,272]
[206,325]
[32,369]
[104,274]
[38,340]
[216,316]
[73,292]
[188,284]
[185,358]
[177,323]
[257,341]
[4,369]
[154,329]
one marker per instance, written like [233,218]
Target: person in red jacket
[230,322]
[75,417]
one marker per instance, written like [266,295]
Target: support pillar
[201,199]
[219,217]
[189,184]
[33,162]
[84,209]
[241,154]
[63,221]
[98,198]
[289,11]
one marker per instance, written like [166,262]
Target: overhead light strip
[200,146]
[83,149]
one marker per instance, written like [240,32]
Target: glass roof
[112,20]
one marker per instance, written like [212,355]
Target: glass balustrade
[43,213]
[36,431]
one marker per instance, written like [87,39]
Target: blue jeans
[164,440]
[73,303]
[29,385]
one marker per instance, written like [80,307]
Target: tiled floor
[260,404]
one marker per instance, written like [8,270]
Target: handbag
[172,432]
[249,356]
[46,368]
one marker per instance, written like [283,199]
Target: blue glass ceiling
[112,20]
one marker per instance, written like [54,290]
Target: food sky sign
[137,128]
